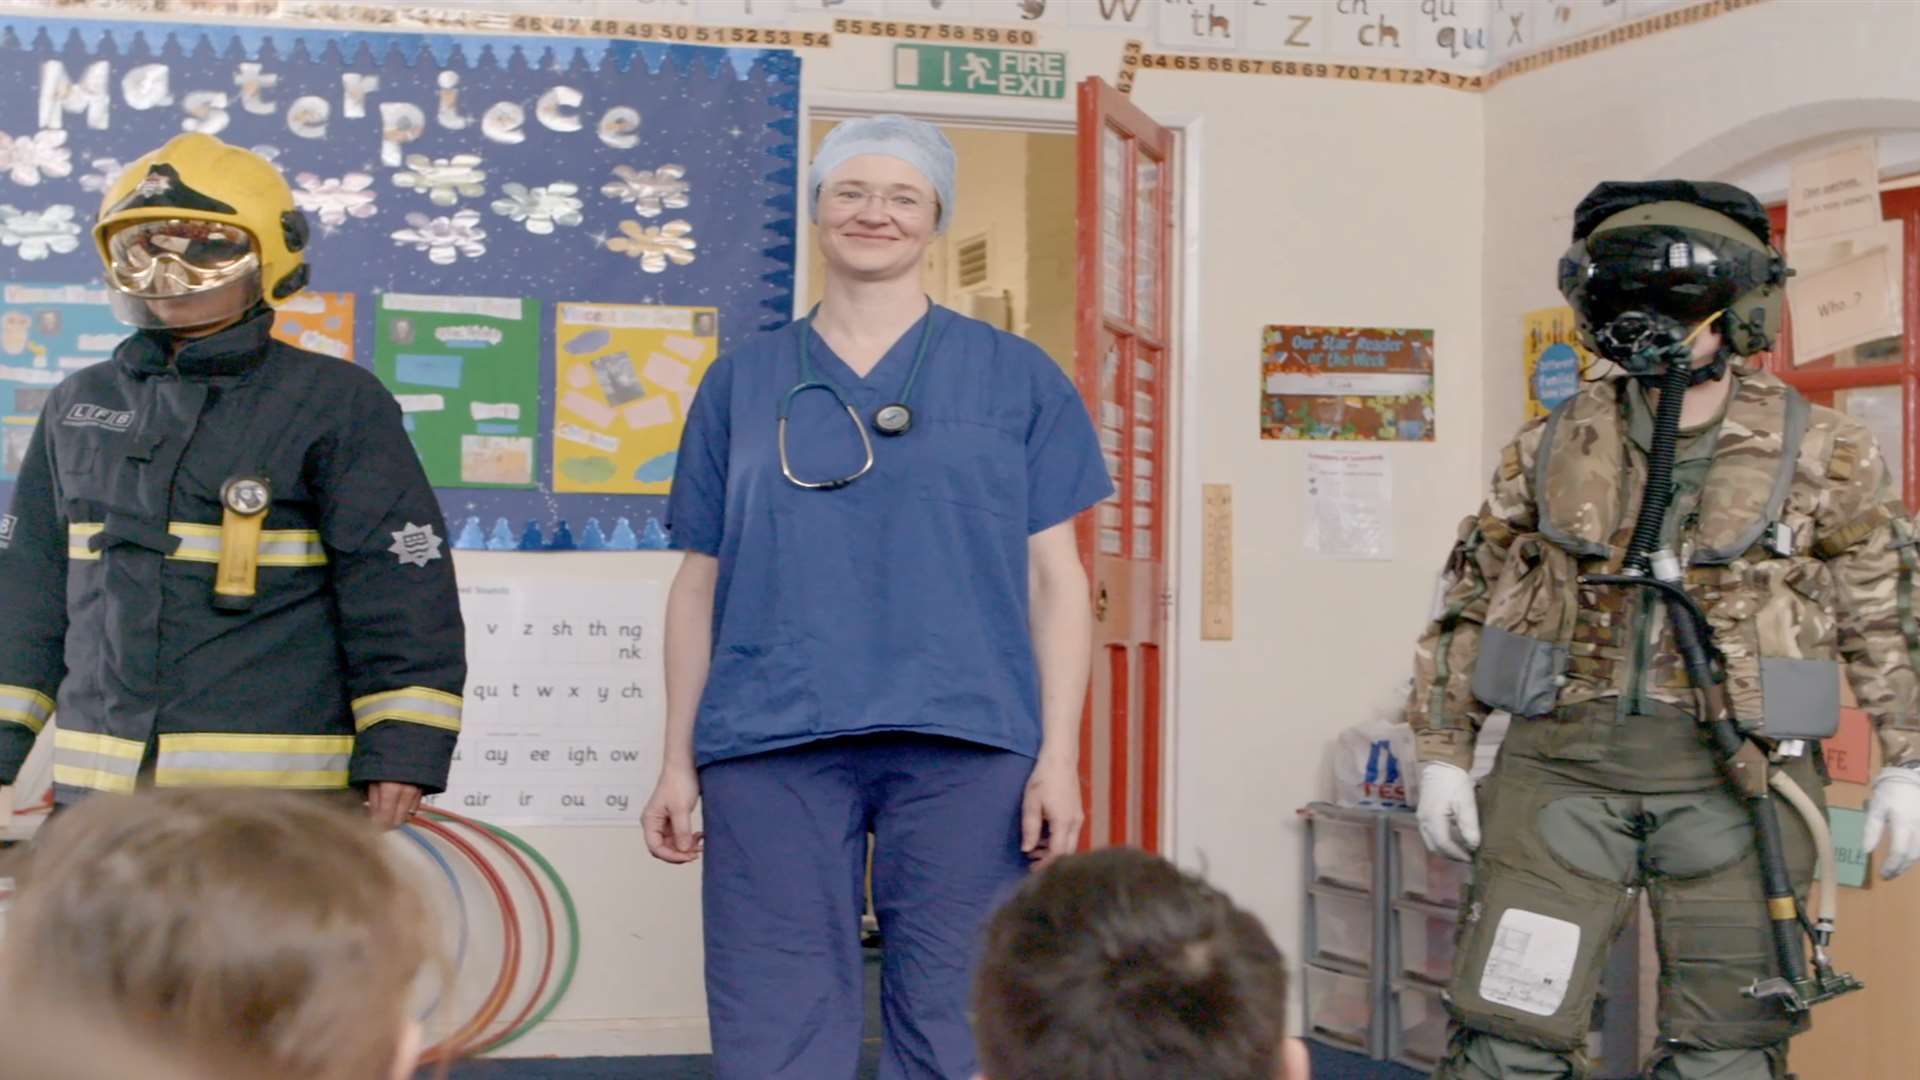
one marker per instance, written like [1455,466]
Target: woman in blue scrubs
[882,624]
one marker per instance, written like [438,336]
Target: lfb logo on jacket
[7,522]
[99,416]
[416,545]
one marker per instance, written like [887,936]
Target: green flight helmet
[1651,261]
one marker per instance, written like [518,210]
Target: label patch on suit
[416,545]
[1531,962]
[99,416]
[7,522]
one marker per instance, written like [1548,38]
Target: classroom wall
[1733,99]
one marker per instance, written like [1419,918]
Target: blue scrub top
[899,602]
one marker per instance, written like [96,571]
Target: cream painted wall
[1334,205]
[1318,203]
[1733,99]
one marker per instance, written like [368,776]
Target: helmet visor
[1684,274]
[174,257]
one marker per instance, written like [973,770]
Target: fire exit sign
[961,69]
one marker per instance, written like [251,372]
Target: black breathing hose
[1693,639]
[1659,493]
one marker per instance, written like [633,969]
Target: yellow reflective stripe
[221,759]
[415,705]
[92,742]
[195,545]
[212,742]
[94,778]
[201,543]
[279,778]
[291,547]
[78,533]
[429,719]
[25,706]
[90,759]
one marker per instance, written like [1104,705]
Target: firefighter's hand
[1449,816]
[1894,810]
[392,803]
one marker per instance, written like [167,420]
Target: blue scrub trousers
[786,848]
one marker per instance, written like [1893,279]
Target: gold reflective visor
[170,257]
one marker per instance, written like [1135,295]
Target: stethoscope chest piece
[893,419]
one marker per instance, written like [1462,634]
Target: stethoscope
[891,420]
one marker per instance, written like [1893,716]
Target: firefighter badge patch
[416,545]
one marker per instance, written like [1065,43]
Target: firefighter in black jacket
[224,564]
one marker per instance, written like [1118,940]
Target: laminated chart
[564,701]
[466,372]
[624,377]
[47,332]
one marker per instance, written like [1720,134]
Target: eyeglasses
[906,204]
[177,256]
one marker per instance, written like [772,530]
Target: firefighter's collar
[236,350]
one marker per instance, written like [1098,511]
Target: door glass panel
[1880,409]
[1146,240]
[1113,222]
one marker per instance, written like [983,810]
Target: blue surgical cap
[915,142]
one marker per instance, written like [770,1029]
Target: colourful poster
[1346,383]
[1849,849]
[47,332]
[466,371]
[319,322]
[1554,359]
[624,375]
[1849,753]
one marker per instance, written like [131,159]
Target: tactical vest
[1749,552]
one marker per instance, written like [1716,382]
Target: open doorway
[1007,255]
[1065,232]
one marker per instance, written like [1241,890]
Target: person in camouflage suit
[1795,545]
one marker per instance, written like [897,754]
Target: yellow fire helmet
[196,233]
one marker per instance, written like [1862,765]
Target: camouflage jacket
[1799,551]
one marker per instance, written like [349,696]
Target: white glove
[1895,809]
[1449,816]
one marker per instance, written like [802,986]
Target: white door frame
[1061,117]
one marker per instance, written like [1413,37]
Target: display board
[464,192]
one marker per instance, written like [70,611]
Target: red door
[1877,382]
[1123,367]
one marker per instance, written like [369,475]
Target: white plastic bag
[1369,769]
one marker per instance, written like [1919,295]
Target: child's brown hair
[1116,965]
[255,926]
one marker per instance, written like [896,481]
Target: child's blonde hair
[257,926]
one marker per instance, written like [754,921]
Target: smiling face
[877,216]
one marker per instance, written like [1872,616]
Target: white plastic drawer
[1424,876]
[1343,852]
[1425,933]
[1340,1008]
[1419,1035]
[1342,929]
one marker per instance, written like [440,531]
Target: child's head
[256,926]
[1116,965]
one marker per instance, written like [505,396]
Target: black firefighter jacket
[349,666]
